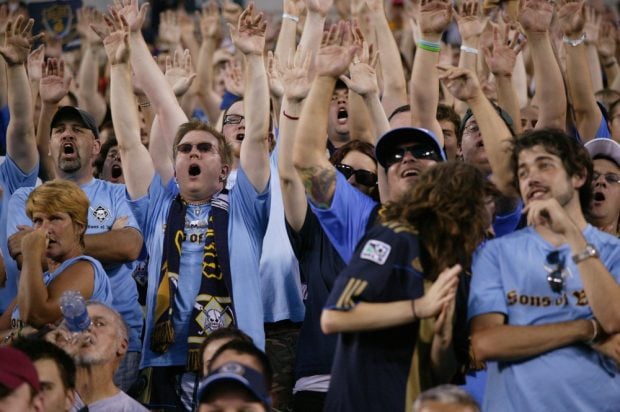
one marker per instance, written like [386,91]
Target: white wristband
[575,42]
[290,17]
[468,49]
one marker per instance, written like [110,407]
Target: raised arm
[249,38]
[535,18]
[296,86]
[210,31]
[316,12]
[587,114]
[287,37]
[464,85]
[20,137]
[88,95]
[317,174]
[607,52]
[138,166]
[435,15]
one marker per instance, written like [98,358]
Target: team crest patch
[376,251]
[101,213]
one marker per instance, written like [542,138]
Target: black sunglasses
[555,278]
[610,178]
[419,152]
[363,177]
[204,147]
[233,119]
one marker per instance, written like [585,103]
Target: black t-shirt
[371,369]
[319,265]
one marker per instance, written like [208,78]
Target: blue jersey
[107,203]
[248,218]
[102,291]
[510,277]
[11,179]
[373,370]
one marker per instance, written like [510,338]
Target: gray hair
[449,394]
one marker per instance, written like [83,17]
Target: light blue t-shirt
[248,218]
[107,203]
[510,277]
[279,268]
[11,179]
[346,219]
[102,291]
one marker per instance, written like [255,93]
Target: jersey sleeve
[146,209]
[381,261]
[254,207]
[346,219]
[486,293]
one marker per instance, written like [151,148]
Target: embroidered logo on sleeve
[376,251]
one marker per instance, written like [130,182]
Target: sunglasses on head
[233,119]
[419,152]
[363,177]
[555,278]
[611,178]
[204,147]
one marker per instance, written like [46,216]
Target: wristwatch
[589,252]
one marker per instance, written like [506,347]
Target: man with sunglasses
[604,212]
[545,300]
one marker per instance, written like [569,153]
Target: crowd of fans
[354,205]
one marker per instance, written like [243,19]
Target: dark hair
[575,158]
[103,153]
[612,109]
[223,147]
[446,207]
[501,113]
[38,349]
[357,146]
[230,333]
[247,348]
[445,112]
[399,109]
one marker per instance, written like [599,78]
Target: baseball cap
[402,135]
[70,111]
[16,368]
[604,147]
[239,374]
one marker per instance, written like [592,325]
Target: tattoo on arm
[320,184]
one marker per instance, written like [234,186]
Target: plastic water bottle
[73,308]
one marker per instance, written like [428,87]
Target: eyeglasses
[555,278]
[363,177]
[204,147]
[233,119]
[472,128]
[611,178]
[419,152]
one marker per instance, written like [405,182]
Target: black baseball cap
[402,135]
[237,374]
[71,111]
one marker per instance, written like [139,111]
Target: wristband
[290,17]
[596,331]
[589,252]
[575,42]
[429,46]
[468,49]
[289,116]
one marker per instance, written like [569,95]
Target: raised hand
[535,15]
[295,76]
[274,76]
[461,83]
[85,17]
[179,72]
[35,62]
[434,16]
[54,85]
[133,15]
[293,7]
[571,17]
[169,29]
[231,11]
[115,36]
[5,17]
[592,27]
[249,34]
[234,81]
[18,40]
[210,20]
[501,58]
[334,56]
[607,41]
[363,76]
[469,19]
[440,294]
[319,6]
